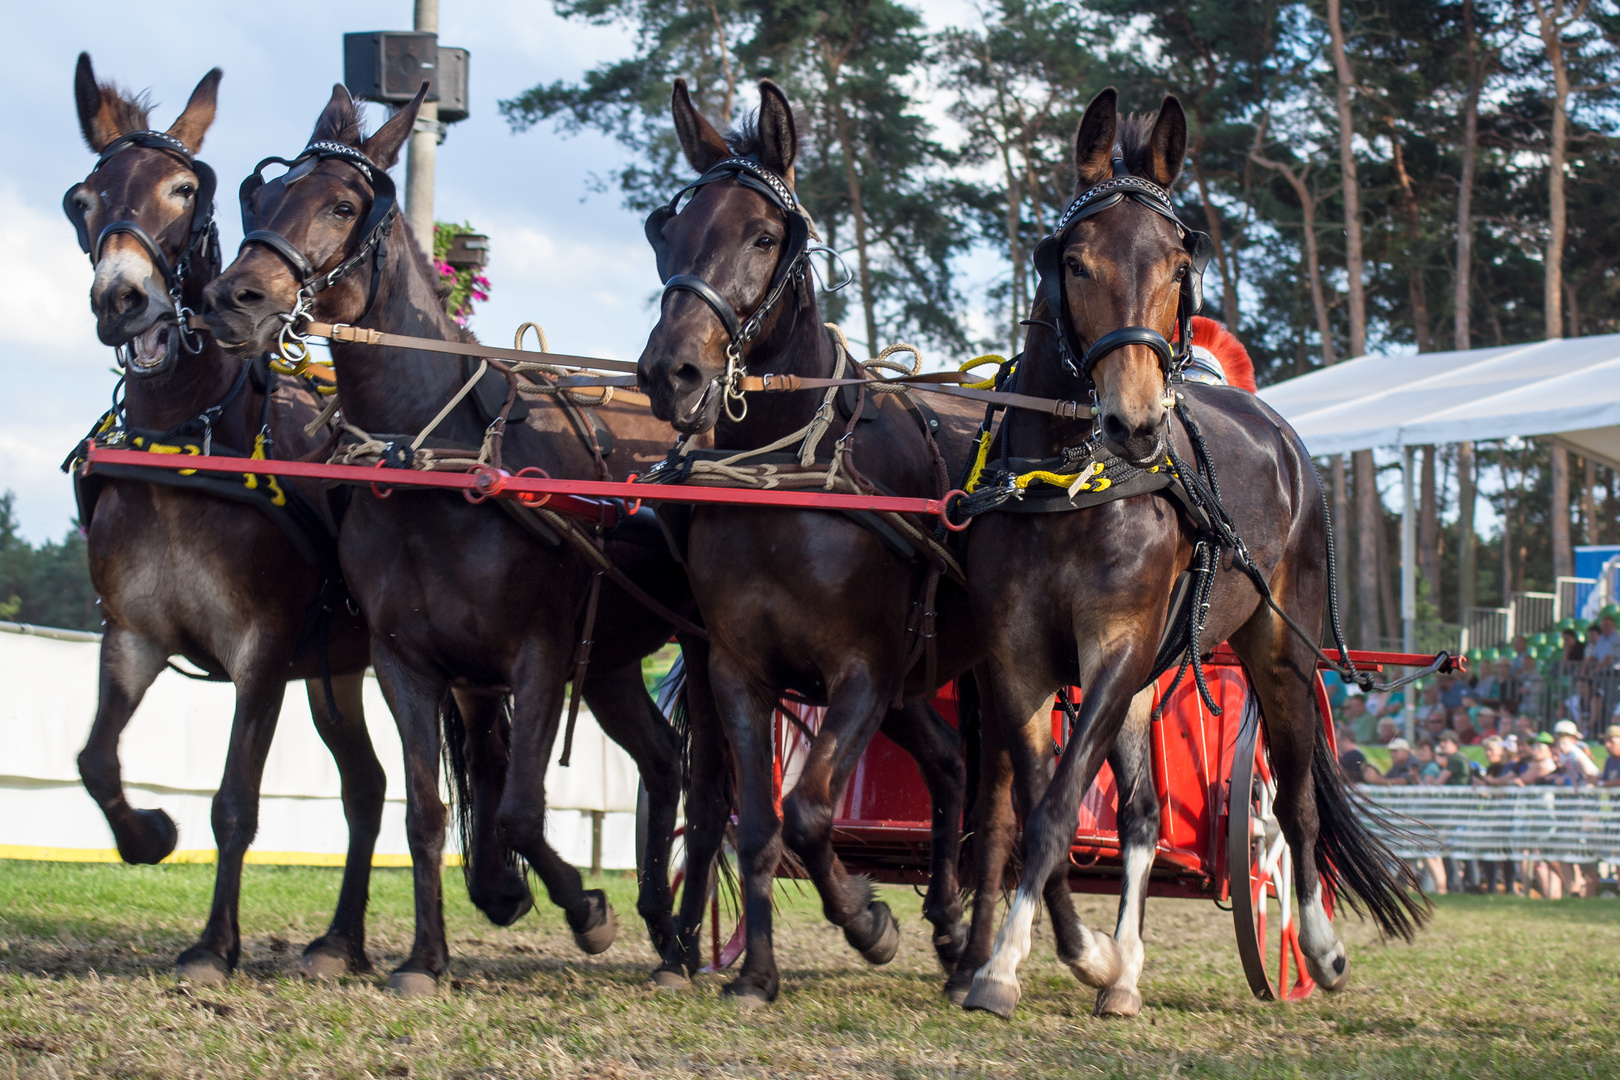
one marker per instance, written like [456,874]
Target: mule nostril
[129,299]
[687,375]
[1114,428]
[246,297]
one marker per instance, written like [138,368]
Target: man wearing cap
[1610,777]
[1575,765]
[1401,769]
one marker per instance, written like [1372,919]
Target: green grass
[1497,987]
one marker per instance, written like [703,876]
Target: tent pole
[1408,555]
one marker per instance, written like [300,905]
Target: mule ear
[778,138]
[1167,146]
[96,118]
[198,115]
[702,144]
[338,122]
[384,144]
[1094,141]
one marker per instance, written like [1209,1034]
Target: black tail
[969,716]
[1356,865]
[453,752]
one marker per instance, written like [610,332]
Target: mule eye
[186,191]
[1182,272]
[765,243]
[343,210]
[1076,269]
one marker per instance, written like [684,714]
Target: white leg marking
[1325,955]
[135,662]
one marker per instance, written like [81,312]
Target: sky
[561,255]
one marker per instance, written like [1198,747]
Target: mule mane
[127,110]
[1133,131]
[744,140]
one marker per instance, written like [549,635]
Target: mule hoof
[598,938]
[956,995]
[200,966]
[323,965]
[1099,963]
[1333,975]
[881,949]
[746,996]
[413,984]
[509,905]
[989,996]
[950,946]
[147,837]
[1112,1001]
[670,979]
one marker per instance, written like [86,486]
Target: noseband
[791,266]
[294,353]
[1093,201]
[199,258]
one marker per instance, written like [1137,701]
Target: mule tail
[458,779]
[1355,862]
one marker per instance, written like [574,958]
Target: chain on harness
[292,346]
[792,266]
[199,259]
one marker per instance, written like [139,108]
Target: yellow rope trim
[980,361]
[978,462]
[204,855]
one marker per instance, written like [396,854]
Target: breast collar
[374,232]
[791,266]
[199,260]
[1094,200]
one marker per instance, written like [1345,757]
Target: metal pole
[424,146]
[1408,556]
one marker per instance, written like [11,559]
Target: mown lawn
[1497,987]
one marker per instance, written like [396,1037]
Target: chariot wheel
[1260,868]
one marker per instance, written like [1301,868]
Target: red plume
[1228,350]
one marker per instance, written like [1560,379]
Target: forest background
[1376,176]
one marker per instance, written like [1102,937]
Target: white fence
[174,751]
[1560,824]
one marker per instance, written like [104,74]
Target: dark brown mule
[804,602]
[459,596]
[1081,597]
[183,571]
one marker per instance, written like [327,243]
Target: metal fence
[1577,825]
[1573,690]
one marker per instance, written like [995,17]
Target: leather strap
[706,292]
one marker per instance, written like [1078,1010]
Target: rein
[200,257]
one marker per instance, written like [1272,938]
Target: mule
[183,571]
[1083,597]
[461,598]
[803,602]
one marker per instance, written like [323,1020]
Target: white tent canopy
[1569,389]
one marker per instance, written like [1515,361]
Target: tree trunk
[1507,533]
[857,210]
[1463,292]
[1352,187]
[1467,568]
[1429,526]
[1588,501]
[1562,554]
[1367,515]
[1552,28]
[1223,258]
[1387,568]
[1417,294]
[1015,251]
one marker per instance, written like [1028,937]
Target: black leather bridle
[792,266]
[373,242]
[1094,200]
[199,259]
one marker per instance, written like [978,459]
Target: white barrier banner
[1562,824]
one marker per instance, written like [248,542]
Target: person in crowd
[1542,767]
[1401,766]
[1509,685]
[1428,766]
[1604,647]
[1500,769]
[1455,771]
[1352,762]
[1462,722]
[1452,690]
[1575,764]
[1430,703]
[1435,724]
[1489,687]
[1387,731]
[1574,650]
[1355,717]
[1524,727]
[1610,777]
[1522,662]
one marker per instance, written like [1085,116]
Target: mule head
[729,258]
[141,190]
[1123,268]
[307,223]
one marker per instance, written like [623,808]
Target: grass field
[1497,987]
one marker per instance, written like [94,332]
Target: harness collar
[791,266]
[1090,202]
[199,259]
